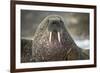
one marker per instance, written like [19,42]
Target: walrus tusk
[50,36]
[59,36]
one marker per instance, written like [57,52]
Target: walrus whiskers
[59,36]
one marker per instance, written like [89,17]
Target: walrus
[52,42]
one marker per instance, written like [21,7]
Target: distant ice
[84,44]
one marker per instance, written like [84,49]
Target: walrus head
[55,25]
[52,42]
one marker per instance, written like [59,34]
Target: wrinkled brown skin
[44,50]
